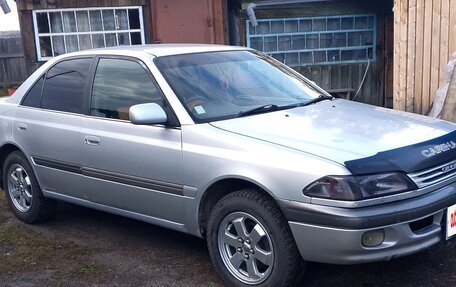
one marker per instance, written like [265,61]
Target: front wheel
[250,242]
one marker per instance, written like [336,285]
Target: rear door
[132,167]
[48,124]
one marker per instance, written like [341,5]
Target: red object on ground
[11,92]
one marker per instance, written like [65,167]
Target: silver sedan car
[229,145]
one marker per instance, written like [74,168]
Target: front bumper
[333,235]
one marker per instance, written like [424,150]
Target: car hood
[339,130]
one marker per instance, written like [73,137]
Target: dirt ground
[83,247]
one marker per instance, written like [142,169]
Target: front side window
[65,86]
[120,84]
[221,85]
[68,30]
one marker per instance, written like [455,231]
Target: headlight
[359,187]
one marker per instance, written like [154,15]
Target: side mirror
[147,114]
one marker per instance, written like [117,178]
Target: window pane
[319,56]
[263,28]
[45,47]
[306,57]
[136,38]
[111,40]
[133,17]
[277,27]
[334,24]
[312,41]
[33,97]
[326,40]
[291,26]
[299,42]
[305,25]
[347,23]
[83,21]
[59,45]
[319,25]
[120,84]
[256,43]
[65,86]
[122,22]
[108,20]
[98,40]
[69,22]
[124,39]
[85,42]
[56,22]
[285,43]
[42,22]
[361,23]
[354,39]
[95,20]
[292,59]
[270,44]
[71,43]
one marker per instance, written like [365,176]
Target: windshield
[222,85]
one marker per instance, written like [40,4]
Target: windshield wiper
[310,102]
[316,100]
[258,110]
[272,107]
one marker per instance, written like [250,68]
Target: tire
[250,242]
[23,192]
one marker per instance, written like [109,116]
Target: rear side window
[120,84]
[65,86]
[33,97]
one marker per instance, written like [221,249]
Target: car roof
[158,50]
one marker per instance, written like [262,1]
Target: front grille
[434,174]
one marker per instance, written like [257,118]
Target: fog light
[373,238]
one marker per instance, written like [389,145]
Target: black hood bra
[410,158]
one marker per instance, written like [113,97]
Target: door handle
[22,127]
[92,140]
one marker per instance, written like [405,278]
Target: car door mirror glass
[147,114]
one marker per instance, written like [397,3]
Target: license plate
[451,221]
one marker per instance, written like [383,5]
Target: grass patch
[25,251]
[4,208]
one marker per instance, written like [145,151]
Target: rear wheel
[250,242]
[23,192]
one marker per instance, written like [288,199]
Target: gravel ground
[83,247]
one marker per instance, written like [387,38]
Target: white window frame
[77,33]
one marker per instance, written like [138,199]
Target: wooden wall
[13,68]
[425,37]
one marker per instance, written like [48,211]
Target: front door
[137,168]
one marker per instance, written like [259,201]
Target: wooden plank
[411,50]
[427,55]
[403,55]
[325,77]
[397,33]
[378,87]
[435,51]
[419,43]
[444,38]
[452,40]
[219,22]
